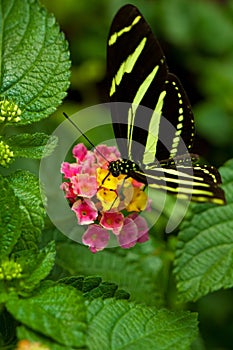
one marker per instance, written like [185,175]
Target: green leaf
[136,277]
[204,256]
[10,218]
[36,266]
[93,287]
[32,145]
[35,60]
[26,188]
[57,312]
[122,325]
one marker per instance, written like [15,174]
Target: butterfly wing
[154,121]
[138,74]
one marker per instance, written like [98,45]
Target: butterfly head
[122,166]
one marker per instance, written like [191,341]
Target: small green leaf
[57,312]
[204,256]
[122,325]
[26,188]
[10,218]
[35,60]
[36,265]
[93,287]
[32,145]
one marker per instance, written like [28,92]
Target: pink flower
[69,193]
[112,221]
[70,170]
[142,227]
[109,154]
[85,211]
[109,204]
[89,167]
[96,238]
[128,235]
[84,185]
[79,152]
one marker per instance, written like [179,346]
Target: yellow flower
[107,180]
[108,198]
[138,199]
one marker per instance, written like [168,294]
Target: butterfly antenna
[88,140]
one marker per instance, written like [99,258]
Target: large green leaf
[122,325]
[32,145]
[26,188]
[34,59]
[204,256]
[36,266]
[57,312]
[10,218]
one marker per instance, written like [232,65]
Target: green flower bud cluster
[9,112]
[6,155]
[10,270]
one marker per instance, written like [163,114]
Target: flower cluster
[105,203]
[6,155]
[9,111]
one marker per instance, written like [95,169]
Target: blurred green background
[197,39]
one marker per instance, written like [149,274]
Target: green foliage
[93,287]
[32,146]
[58,312]
[149,328]
[35,62]
[26,187]
[126,271]
[204,255]
[11,217]
[58,293]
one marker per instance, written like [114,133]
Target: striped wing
[138,74]
[200,183]
[155,125]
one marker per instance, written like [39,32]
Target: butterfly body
[152,117]
[128,168]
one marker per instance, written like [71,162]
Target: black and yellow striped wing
[153,124]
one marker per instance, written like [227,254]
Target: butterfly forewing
[157,114]
[137,71]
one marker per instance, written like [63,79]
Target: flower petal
[84,185]
[70,170]
[79,152]
[128,235]
[85,211]
[142,227]
[96,238]
[112,221]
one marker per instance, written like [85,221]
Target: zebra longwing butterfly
[153,124]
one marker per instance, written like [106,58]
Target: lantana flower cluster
[107,204]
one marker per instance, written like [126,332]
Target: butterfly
[152,118]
